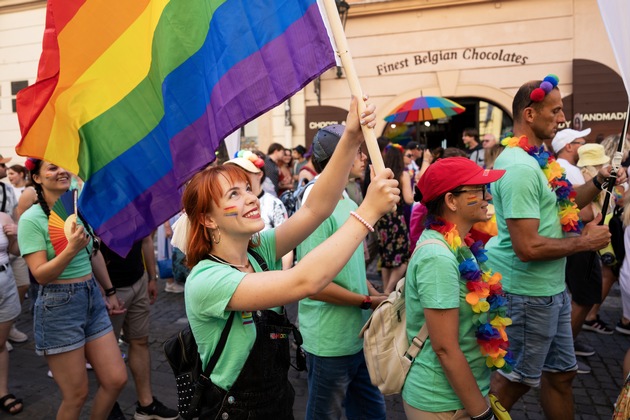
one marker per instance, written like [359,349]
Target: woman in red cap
[450,288]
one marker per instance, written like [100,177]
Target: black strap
[217,352]
[4,197]
[228,326]
[260,260]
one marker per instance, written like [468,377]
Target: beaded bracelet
[362,220]
[110,292]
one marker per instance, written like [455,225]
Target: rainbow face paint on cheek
[230,211]
[471,200]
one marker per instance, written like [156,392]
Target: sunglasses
[483,190]
[409,155]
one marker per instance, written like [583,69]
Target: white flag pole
[353,80]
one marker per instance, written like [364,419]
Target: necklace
[222,261]
[557,181]
[485,295]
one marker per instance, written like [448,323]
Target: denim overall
[262,389]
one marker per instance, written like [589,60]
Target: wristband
[366,304]
[362,220]
[597,184]
[110,292]
[486,415]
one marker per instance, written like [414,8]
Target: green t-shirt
[209,288]
[433,281]
[523,193]
[333,330]
[33,237]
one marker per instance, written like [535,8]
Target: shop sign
[433,58]
[604,116]
[321,116]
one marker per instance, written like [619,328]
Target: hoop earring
[212,235]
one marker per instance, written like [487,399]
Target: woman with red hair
[227,288]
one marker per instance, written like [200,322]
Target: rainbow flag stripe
[135,97]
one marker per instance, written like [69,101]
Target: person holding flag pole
[228,290]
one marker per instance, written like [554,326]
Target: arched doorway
[483,114]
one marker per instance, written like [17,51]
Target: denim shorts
[69,315]
[540,336]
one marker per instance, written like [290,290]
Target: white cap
[567,136]
[244,163]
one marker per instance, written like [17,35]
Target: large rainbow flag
[135,96]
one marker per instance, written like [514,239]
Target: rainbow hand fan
[62,215]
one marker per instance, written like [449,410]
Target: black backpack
[183,356]
[292,199]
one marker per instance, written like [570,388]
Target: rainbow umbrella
[424,108]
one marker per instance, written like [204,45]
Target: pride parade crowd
[502,302]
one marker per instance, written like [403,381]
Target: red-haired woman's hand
[354,121]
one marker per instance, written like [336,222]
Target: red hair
[202,194]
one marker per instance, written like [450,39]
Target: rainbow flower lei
[485,295]
[558,182]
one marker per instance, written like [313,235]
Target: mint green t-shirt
[433,281]
[523,193]
[209,288]
[333,330]
[33,237]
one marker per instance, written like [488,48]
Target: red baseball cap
[447,174]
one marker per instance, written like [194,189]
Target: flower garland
[485,295]
[558,182]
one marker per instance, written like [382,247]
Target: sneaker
[597,325]
[16,335]
[174,288]
[8,346]
[116,413]
[155,411]
[583,349]
[623,328]
[583,368]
